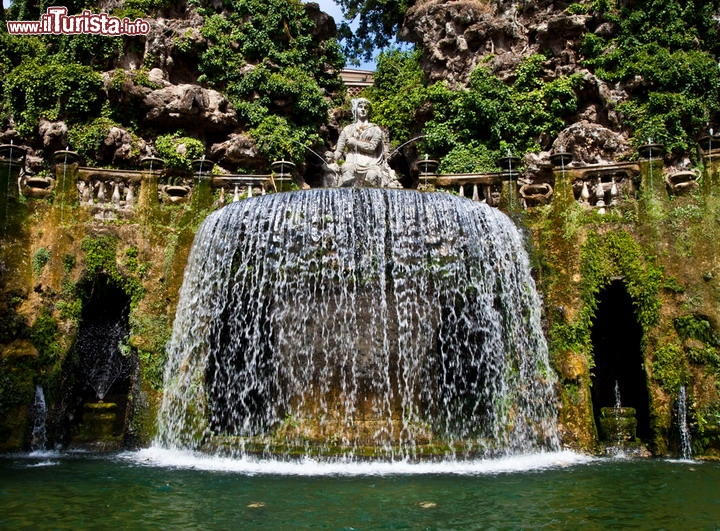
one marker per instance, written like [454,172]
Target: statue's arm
[341,143]
[370,145]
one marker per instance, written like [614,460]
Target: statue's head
[357,101]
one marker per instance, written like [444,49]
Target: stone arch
[103,365]
[618,377]
[621,305]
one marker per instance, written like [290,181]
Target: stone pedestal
[618,424]
[99,420]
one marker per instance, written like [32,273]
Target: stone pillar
[202,197]
[66,170]
[148,199]
[563,196]
[12,160]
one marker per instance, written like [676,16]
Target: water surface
[155,489]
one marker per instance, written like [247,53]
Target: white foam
[44,463]
[310,467]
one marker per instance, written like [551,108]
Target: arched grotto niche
[616,337]
[103,364]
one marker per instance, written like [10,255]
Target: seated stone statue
[362,146]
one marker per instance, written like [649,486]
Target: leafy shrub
[667,50]
[273,70]
[470,128]
[179,151]
[87,138]
[52,91]
[40,259]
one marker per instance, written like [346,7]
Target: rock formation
[456,36]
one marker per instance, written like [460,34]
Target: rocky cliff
[189,74]
[622,80]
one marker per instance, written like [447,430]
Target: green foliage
[97,51]
[695,327]
[179,151]
[100,259]
[500,115]
[53,91]
[289,92]
[68,263]
[668,50]
[16,385]
[43,334]
[87,138]
[39,259]
[378,22]
[265,57]
[708,419]
[141,77]
[470,128]
[280,140]
[665,118]
[472,157]
[150,334]
[398,92]
[578,9]
[670,367]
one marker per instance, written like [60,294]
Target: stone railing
[108,192]
[598,186]
[119,193]
[236,187]
[503,189]
[486,187]
[113,193]
[602,186]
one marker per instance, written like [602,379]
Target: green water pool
[156,490]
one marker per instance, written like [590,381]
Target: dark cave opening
[616,337]
[104,364]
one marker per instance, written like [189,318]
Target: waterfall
[358,322]
[38,438]
[685,441]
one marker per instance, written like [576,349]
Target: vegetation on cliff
[661,58]
[266,58]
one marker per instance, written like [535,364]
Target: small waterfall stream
[358,322]
[38,438]
[685,440]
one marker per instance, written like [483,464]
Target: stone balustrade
[602,186]
[113,193]
[485,187]
[108,192]
[236,187]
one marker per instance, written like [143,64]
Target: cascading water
[38,439]
[358,322]
[685,440]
